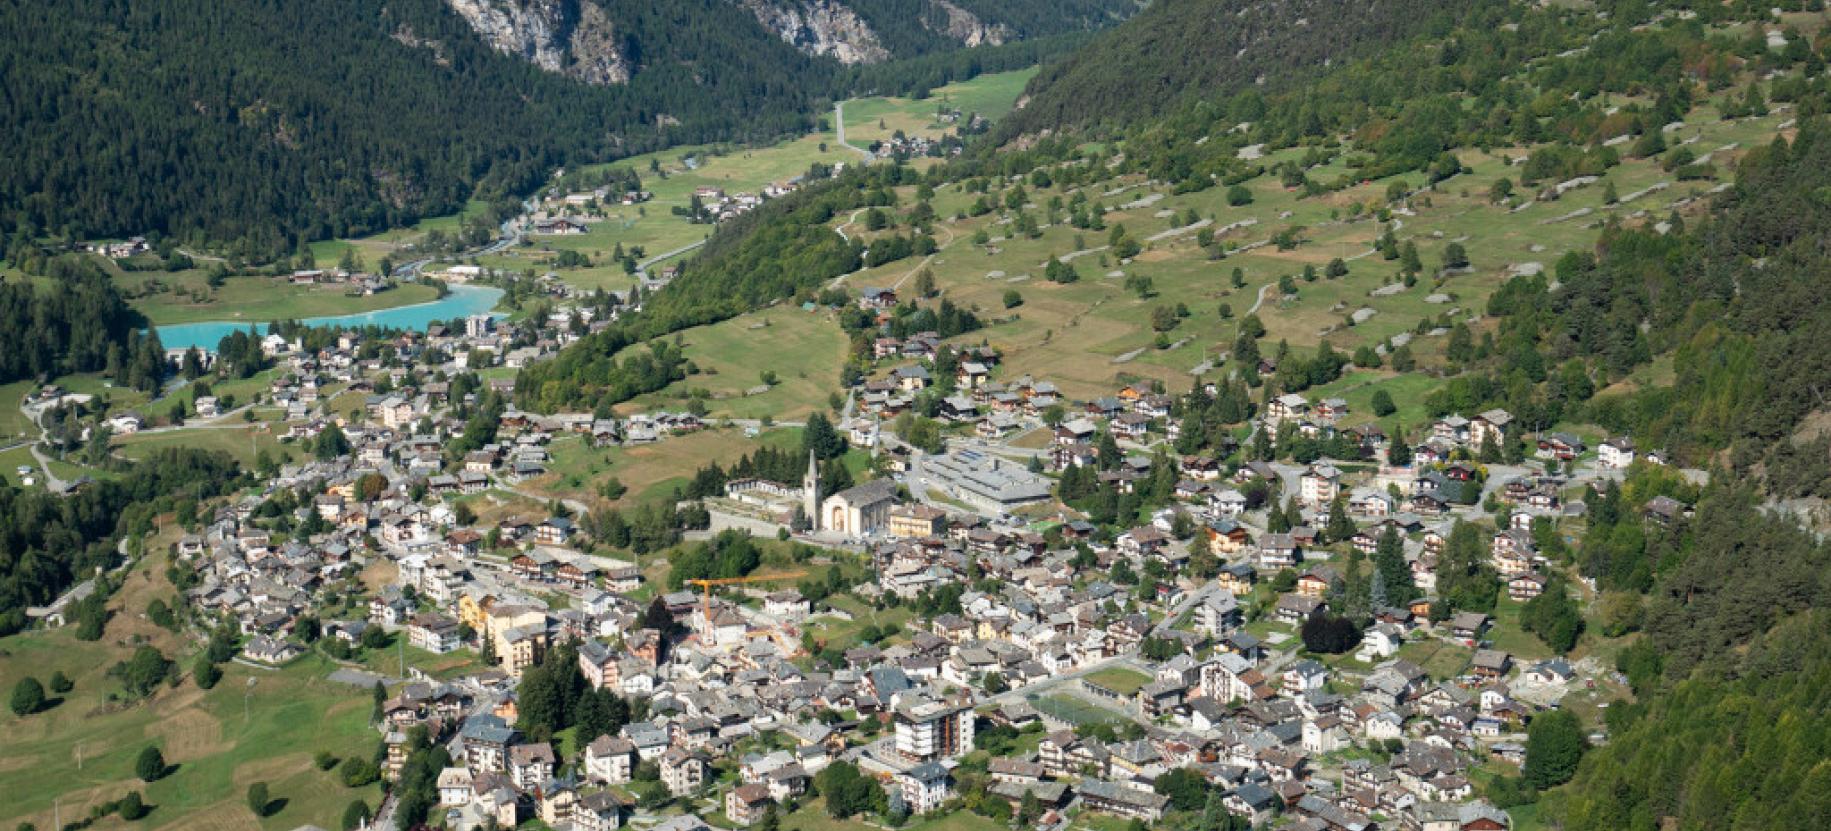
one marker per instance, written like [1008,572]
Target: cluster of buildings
[1025,624]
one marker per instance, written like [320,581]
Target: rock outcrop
[569,37]
[966,27]
[820,28]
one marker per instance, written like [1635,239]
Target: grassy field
[1441,659]
[990,96]
[1094,334]
[397,241]
[805,351]
[651,471]
[844,633]
[388,661]
[672,176]
[1074,710]
[82,751]
[244,443]
[13,422]
[186,297]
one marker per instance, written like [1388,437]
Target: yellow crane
[706,584]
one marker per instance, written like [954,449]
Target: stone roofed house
[1472,816]
[610,759]
[1491,426]
[530,765]
[1617,452]
[486,740]
[1122,800]
[682,770]
[746,804]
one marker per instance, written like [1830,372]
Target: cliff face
[966,27]
[568,37]
[820,27]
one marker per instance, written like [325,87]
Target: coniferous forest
[253,126]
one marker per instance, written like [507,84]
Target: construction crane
[706,584]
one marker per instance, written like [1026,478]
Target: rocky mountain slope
[606,41]
[564,36]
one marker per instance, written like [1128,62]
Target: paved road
[54,484]
[511,235]
[839,126]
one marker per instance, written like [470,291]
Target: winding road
[1260,301]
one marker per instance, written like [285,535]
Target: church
[852,512]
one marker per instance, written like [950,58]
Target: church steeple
[810,493]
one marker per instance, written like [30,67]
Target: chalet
[872,297]
[1490,663]
[1317,582]
[1525,586]
[1287,406]
[1227,536]
[1452,430]
[560,226]
[1560,446]
[971,375]
[1145,541]
[912,378]
[555,531]
[1238,579]
[1468,626]
[1296,608]
[746,804]
[1664,510]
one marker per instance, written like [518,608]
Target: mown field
[651,472]
[805,351]
[254,725]
[879,118]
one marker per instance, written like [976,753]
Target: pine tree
[1340,526]
[150,765]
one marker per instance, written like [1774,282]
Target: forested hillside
[277,120]
[1739,304]
[79,323]
[1732,662]
[1180,51]
[270,122]
[49,541]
